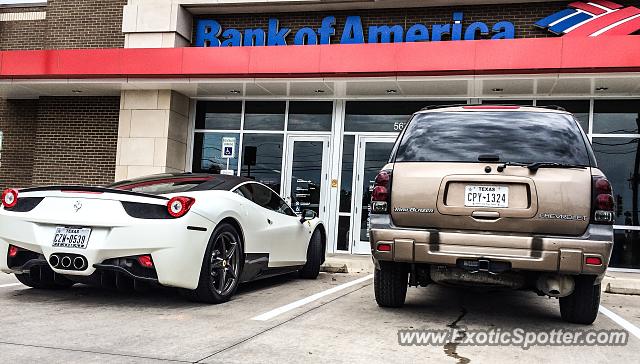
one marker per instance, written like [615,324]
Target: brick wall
[18,127]
[70,24]
[77,24]
[76,140]
[522,15]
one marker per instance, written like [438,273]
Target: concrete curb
[621,285]
[343,263]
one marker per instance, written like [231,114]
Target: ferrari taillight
[9,198]
[145,261]
[180,205]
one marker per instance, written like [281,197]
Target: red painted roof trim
[541,55]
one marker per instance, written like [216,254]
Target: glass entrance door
[373,153]
[307,173]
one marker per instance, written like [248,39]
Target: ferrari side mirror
[307,215]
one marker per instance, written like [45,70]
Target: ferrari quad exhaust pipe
[78,263]
[65,261]
[54,260]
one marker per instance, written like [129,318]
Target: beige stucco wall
[153,133]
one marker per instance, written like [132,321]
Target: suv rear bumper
[539,253]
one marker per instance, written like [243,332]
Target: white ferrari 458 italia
[202,233]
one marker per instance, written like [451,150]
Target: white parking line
[633,329]
[293,305]
[10,285]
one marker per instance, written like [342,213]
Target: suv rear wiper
[533,167]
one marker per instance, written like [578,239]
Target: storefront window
[262,158]
[616,116]
[618,158]
[264,115]
[347,173]
[310,115]
[384,116]
[626,249]
[207,154]
[219,115]
[507,102]
[579,108]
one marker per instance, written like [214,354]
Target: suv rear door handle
[486,215]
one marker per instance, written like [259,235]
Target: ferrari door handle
[269,221]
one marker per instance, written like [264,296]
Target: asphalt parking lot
[86,324]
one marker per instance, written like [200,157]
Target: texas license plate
[486,196]
[77,238]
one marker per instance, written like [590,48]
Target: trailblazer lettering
[209,33]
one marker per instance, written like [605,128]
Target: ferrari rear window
[165,185]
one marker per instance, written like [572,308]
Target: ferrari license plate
[77,238]
[486,196]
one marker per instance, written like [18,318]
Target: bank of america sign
[592,19]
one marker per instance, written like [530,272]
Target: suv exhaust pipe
[557,286]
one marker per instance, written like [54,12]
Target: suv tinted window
[523,137]
[266,198]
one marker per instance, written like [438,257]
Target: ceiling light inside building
[601,88]
[76,91]
[235,92]
[392,91]
[319,91]
[497,89]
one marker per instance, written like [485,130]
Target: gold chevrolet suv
[493,197]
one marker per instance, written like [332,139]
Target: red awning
[518,56]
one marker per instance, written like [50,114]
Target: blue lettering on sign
[209,33]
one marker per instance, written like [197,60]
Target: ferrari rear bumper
[176,250]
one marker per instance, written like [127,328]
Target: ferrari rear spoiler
[86,189]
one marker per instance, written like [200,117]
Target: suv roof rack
[433,107]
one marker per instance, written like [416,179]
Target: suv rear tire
[390,284]
[581,307]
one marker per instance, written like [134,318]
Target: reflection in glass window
[207,154]
[310,115]
[264,115]
[616,116]
[618,159]
[384,116]
[347,173]
[219,115]
[579,108]
[262,158]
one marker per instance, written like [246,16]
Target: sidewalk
[614,282]
[621,283]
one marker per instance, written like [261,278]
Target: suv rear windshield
[514,136]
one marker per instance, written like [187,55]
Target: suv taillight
[381,193]
[603,202]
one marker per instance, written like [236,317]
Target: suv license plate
[77,238]
[486,196]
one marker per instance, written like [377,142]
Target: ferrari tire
[221,267]
[43,278]
[315,253]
